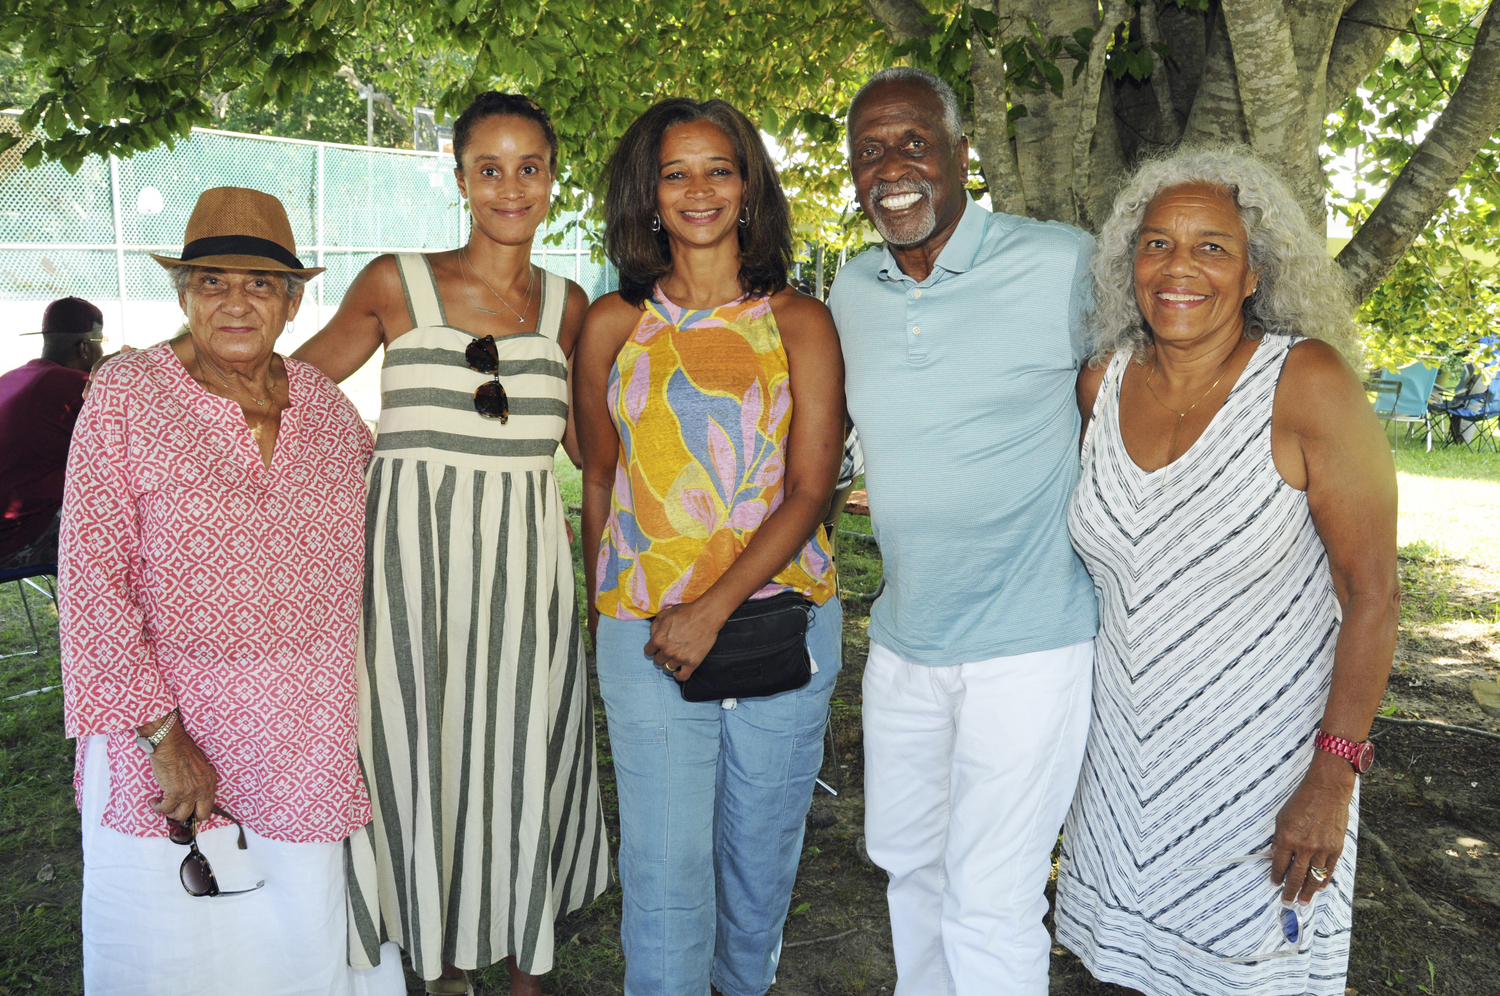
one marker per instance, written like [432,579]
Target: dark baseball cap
[71,316]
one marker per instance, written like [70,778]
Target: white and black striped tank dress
[476,735]
[1217,623]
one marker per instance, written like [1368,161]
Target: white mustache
[887,189]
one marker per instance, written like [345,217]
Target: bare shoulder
[1318,391]
[1090,379]
[578,299]
[791,304]
[612,309]
[377,287]
[1315,370]
[609,321]
[381,273]
[800,314]
[572,318]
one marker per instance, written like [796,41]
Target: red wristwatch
[1362,756]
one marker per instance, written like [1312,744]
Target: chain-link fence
[88,233]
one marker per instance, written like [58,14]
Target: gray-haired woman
[1237,511]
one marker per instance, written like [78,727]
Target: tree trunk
[997,153]
[1260,73]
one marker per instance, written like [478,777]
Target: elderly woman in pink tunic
[211,556]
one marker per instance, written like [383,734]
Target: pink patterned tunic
[190,575]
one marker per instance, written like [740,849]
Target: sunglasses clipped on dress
[196,873]
[489,400]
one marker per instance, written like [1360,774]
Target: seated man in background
[39,402]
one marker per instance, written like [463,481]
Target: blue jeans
[713,803]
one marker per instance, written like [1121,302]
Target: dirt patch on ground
[1433,801]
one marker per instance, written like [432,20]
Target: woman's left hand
[682,635]
[1310,828]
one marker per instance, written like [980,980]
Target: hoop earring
[745,216]
[656,223]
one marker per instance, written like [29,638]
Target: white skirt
[143,935]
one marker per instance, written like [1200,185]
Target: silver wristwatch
[149,744]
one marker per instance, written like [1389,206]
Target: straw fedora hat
[235,228]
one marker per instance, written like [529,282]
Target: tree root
[822,940]
[1387,860]
[1450,727]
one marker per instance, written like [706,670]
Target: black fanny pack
[761,650]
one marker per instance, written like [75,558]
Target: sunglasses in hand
[196,873]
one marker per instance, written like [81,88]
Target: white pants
[143,935]
[969,771]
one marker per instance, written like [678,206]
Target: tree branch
[992,128]
[902,18]
[384,100]
[1468,121]
[1115,14]
[1271,93]
[1359,45]
[1216,114]
[1161,83]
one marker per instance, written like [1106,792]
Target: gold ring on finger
[1319,873]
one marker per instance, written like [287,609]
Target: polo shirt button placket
[916,348]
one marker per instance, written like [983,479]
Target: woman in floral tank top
[710,411]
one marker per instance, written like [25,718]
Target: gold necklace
[520,315]
[1176,429]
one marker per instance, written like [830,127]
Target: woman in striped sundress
[1237,511]
[476,733]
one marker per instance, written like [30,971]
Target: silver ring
[1321,874]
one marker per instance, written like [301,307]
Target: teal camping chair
[1402,396]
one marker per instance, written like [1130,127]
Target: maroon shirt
[39,403]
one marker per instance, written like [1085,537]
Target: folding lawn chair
[1473,412]
[23,576]
[1408,403]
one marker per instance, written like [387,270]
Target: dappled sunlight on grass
[1450,503]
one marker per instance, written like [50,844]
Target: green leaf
[1054,76]
[986,21]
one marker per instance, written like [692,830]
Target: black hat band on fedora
[240,245]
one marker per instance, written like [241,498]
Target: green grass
[1450,523]
[1449,504]
[39,920]
[1451,462]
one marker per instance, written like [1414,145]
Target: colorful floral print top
[703,405]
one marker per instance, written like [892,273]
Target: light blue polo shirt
[962,386]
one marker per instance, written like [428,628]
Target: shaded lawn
[1450,536]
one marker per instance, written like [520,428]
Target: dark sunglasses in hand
[197,876]
[489,400]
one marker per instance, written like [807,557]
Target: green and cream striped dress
[476,735]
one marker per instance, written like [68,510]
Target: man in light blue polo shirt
[962,343]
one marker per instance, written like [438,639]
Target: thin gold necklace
[520,315]
[1176,429]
